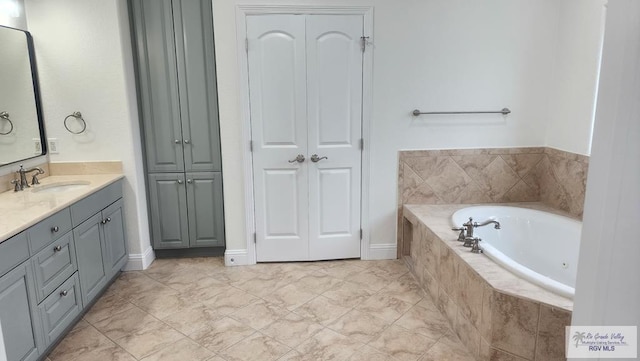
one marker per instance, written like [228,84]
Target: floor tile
[106,307]
[149,340]
[125,323]
[427,322]
[259,314]
[401,344]
[181,350]
[221,334]
[385,306]
[292,329]
[256,347]
[199,310]
[368,353]
[79,342]
[359,326]
[348,294]
[322,310]
[328,345]
[290,296]
[192,319]
[229,300]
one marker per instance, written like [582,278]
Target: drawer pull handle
[57,248]
[64,293]
[55,229]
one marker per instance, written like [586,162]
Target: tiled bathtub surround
[458,176]
[497,315]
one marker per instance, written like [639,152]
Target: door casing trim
[242,11]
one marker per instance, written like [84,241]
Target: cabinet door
[193,20]
[204,199]
[158,84]
[168,203]
[115,238]
[21,330]
[90,253]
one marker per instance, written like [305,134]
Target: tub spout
[496,224]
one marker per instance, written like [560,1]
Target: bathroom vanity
[61,244]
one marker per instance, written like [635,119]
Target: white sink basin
[60,187]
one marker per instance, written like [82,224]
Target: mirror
[21,123]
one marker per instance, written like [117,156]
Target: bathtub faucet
[470,225]
[496,224]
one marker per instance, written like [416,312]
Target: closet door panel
[197,84]
[158,80]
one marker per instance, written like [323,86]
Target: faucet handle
[475,248]
[461,236]
[34,179]
[16,185]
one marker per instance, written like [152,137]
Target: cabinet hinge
[251,146]
[255,237]
[361,143]
[361,234]
[246,44]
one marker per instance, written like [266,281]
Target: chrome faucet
[466,233]
[22,183]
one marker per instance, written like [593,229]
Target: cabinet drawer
[60,309]
[13,251]
[85,208]
[49,230]
[54,264]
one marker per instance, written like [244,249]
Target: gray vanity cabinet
[168,206]
[21,329]
[174,47]
[204,206]
[186,209]
[91,254]
[115,238]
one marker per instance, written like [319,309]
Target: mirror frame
[36,95]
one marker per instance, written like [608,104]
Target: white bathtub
[538,246]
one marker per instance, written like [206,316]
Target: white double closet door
[305,85]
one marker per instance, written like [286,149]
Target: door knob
[316,159]
[300,158]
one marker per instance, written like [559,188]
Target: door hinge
[255,237]
[361,234]
[246,44]
[251,146]
[361,143]
[364,40]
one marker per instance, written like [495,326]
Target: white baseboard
[140,261]
[383,251]
[236,257]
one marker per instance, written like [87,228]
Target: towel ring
[76,115]
[5,116]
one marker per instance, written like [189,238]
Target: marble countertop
[438,219]
[21,210]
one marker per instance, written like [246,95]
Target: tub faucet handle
[461,236]
[475,248]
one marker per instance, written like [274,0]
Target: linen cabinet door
[115,238]
[168,203]
[204,200]
[21,330]
[90,253]
[158,84]
[195,54]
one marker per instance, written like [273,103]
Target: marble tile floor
[198,310]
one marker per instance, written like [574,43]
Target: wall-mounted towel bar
[504,111]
